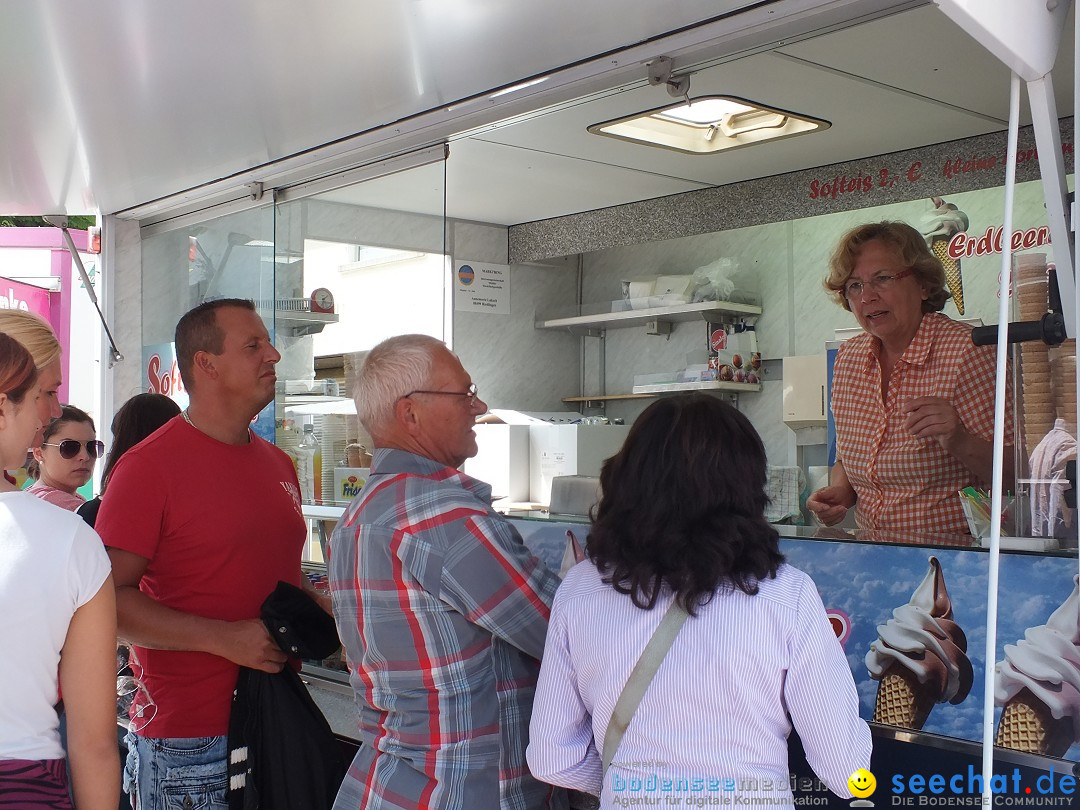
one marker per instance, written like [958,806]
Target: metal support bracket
[660,73]
[657,327]
[61,222]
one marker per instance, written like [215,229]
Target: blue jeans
[177,774]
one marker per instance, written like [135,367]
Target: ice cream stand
[891,599]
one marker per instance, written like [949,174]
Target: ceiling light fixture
[514,88]
[708,124]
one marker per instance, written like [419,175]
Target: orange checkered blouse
[904,483]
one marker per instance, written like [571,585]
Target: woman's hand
[936,418]
[830,504]
[933,418]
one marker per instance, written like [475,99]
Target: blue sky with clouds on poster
[869,581]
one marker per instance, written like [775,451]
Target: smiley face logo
[862,783]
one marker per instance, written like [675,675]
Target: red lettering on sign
[964,245]
[163,383]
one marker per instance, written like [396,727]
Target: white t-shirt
[51,563]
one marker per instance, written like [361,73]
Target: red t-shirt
[220,525]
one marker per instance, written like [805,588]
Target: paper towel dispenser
[804,391]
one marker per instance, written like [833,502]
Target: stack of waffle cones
[1037,399]
[902,700]
[1027,725]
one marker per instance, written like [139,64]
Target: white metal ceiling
[127,101]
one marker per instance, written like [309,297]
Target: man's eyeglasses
[854,290]
[469,393]
[69,448]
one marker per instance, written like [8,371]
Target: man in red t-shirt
[202,519]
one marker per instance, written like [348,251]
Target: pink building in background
[41,256]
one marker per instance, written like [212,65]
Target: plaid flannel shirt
[443,614]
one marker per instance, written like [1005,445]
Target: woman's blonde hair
[34,333]
[910,249]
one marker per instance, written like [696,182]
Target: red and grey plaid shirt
[443,614]
[904,483]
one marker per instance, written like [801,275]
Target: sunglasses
[69,448]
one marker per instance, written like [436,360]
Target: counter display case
[928,596]
[930,593]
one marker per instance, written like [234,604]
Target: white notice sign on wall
[482,287]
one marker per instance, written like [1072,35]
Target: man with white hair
[440,607]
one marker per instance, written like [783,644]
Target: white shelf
[605,397]
[319,512]
[308,399]
[299,322]
[704,311]
[711,385]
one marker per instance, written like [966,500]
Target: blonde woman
[58,622]
[38,338]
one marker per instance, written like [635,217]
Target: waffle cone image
[1027,725]
[902,700]
[939,246]
[938,228]
[1037,684]
[920,656]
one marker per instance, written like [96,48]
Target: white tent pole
[999,444]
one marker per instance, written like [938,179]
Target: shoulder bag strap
[642,675]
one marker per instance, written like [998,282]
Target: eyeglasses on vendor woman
[69,448]
[855,289]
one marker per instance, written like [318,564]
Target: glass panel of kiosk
[921,585]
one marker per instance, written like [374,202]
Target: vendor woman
[912,398]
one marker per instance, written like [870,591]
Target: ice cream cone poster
[938,227]
[920,656]
[1037,684]
[905,614]
[962,229]
[953,240]
[916,620]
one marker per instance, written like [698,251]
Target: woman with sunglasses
[912,398]
[65,460]
[58,626]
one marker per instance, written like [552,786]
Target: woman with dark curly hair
[912,398]
[682,521]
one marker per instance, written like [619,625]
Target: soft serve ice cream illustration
[938,227]
[920,656]
[1038,683]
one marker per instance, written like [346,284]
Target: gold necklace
[187,418]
